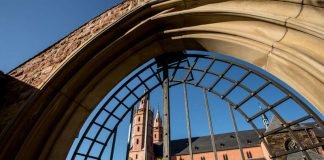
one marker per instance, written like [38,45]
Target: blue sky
[29,26]
[220,114]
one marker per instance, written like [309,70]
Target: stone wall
[37,70]
[277,142]
[32,75]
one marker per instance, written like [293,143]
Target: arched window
[290,145]
[139,119]
[138,129]
[249,154]
[225,157]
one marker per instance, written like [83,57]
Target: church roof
[275,123]
[227,141]
[223,141]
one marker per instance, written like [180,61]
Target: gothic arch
[285,41]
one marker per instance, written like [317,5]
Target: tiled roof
[223,141]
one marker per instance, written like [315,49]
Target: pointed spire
[157,114]
[157,120]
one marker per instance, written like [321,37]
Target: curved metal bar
[204,71]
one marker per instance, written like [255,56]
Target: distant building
[226,144]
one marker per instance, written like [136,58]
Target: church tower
[137,151]
[157,129]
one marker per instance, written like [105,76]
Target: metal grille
[221,77]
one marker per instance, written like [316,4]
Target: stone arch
[285,41]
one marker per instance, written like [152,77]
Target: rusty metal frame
[156,73]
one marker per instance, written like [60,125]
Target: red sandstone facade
[233,154]
[155,136]
[137,149]
[277,142]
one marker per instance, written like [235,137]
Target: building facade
[226,143]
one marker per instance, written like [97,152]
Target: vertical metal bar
[145,134]
[210,126]
[205,72]
[188,119]
[113,145]
[236,131]
[130,131]
[166,117]
[291,132]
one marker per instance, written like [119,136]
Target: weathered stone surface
[155,29]
[27,79]
[37,70]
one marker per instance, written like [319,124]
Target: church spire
[157,120]
[157,128]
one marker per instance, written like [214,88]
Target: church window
[249,154]
[139,119]
[136,141]
[290,145]
[138,129]
[136,156]
[154,135]
[225,157]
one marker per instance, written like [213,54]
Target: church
[226,143]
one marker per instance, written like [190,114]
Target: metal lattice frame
[188,63]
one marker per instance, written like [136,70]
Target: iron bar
[117,124]
[210,125]
[122,103]
[190,69]
[143,82]
[175,70]
[90,139]
[301,146]
[110,113]
[166,113]
[235,84]
[86,156]
[146,126]
[279,154]
[113,146]
[220,76]
[130,131]
[108,129]
[311,113]
[261,136]
[269,108]
[131,92]
[188,119]
[205,71]
[236,131]
[156,75]
[288,125]
[252,94]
